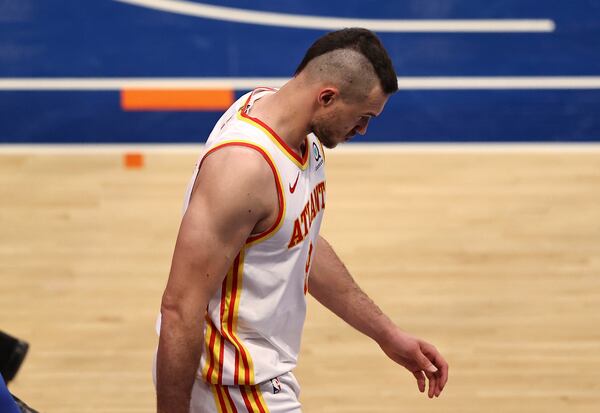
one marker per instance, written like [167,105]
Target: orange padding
[164,99]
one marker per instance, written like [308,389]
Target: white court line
[241,83]
[95,149]
[300,21]
[353,148]
[139,83]
[513,82]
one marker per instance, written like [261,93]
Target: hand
[420,358]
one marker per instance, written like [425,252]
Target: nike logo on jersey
[293,188]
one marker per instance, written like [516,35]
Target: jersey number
[310,250]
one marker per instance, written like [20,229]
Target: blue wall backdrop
[65,63]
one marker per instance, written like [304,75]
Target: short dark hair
[363,41]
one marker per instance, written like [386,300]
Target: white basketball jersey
[255,320]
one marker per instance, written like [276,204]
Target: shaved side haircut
[353,59]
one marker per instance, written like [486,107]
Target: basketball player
[249,250]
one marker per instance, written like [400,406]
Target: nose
[362,126]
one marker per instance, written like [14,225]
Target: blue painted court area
[107,39]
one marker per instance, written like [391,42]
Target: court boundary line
[249,83]
[353,148]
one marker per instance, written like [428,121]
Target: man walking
[249,250]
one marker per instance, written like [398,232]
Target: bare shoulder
[236,183]
[236,167]
[240,159]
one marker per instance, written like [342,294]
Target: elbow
[171,309]
[184,311]
[314,282]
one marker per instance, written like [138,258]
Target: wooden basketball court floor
[492,254]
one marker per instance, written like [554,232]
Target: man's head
[354,77]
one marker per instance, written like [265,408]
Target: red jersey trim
[300,161]
[253,239]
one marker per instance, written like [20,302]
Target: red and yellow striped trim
[256,238]
[223,400]
[215,339]
[244,367]
[253,399]
[300,161]
[251,396]
[214,352]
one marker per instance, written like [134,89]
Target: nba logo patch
[317,155]
[276,385]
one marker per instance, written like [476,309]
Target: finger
[443,368]
[428,367]
[432,383]
[425,363]
[440,363]
[438,383]
[439,386]
[442,374]
[420,380]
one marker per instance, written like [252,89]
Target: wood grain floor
[494,257]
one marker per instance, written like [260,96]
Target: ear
[328,96]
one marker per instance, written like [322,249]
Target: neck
[283,112]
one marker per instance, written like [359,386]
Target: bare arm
[333,286]
[235,183]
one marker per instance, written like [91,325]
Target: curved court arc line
[299,21]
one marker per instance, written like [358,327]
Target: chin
[325,141]
[330,144]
